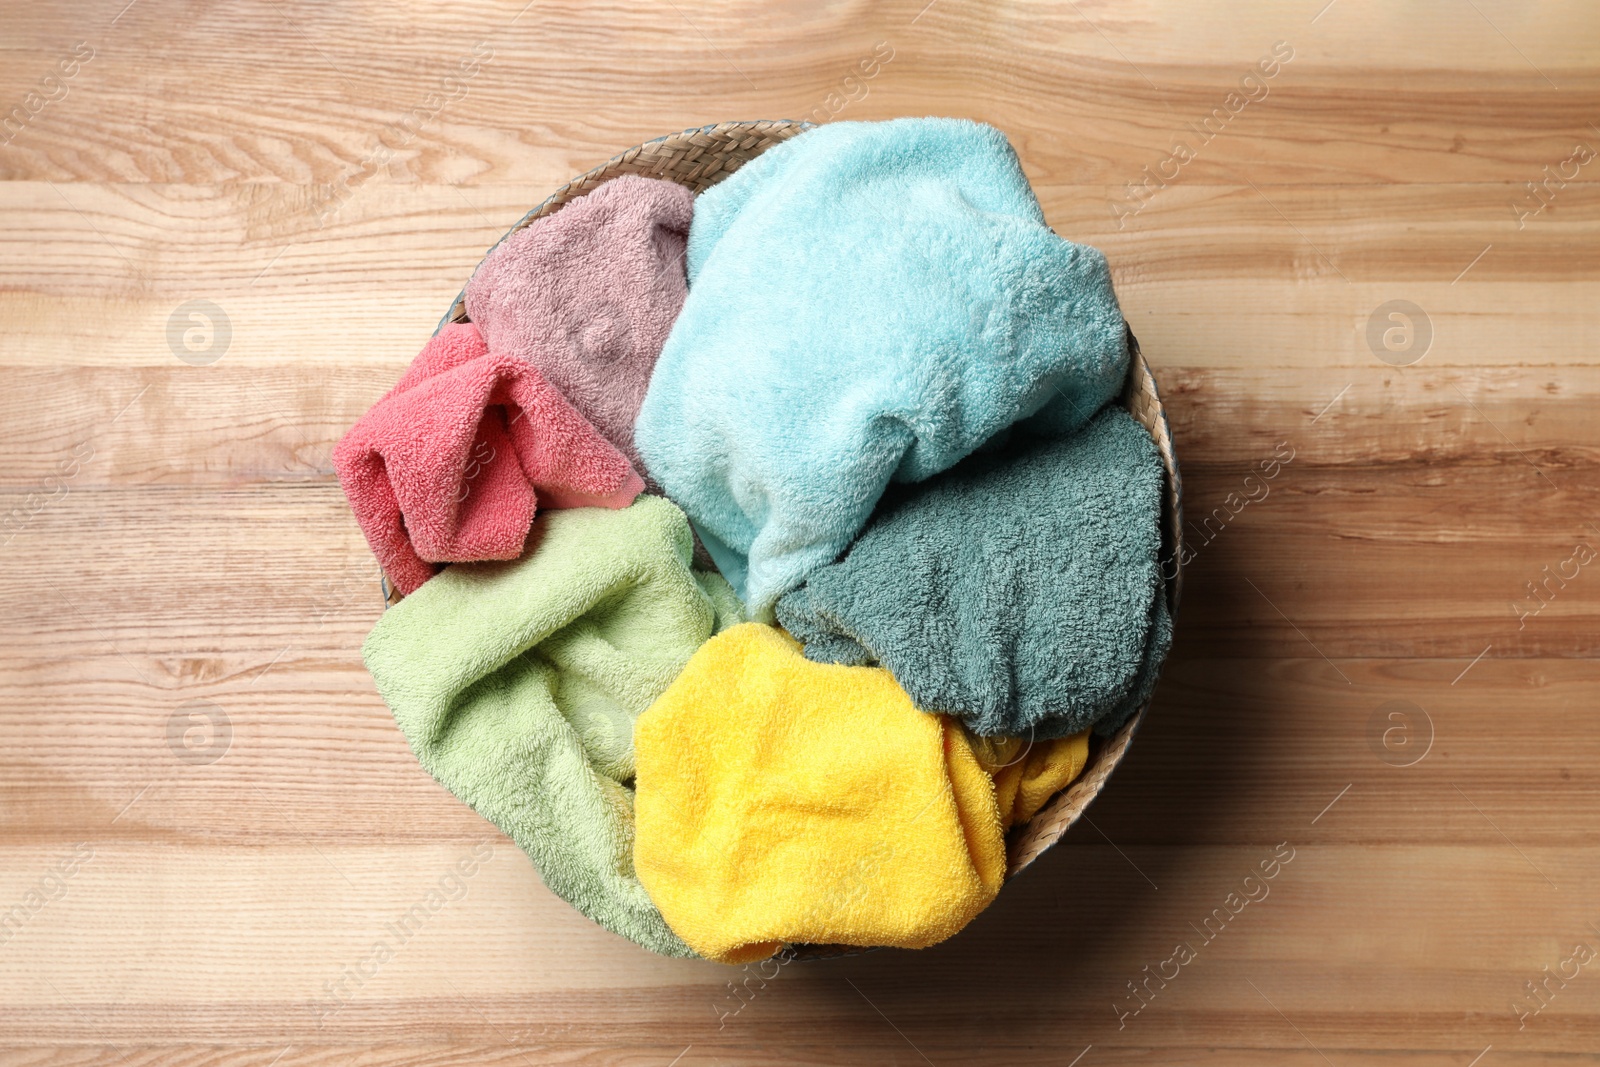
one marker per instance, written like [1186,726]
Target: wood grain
[175,539]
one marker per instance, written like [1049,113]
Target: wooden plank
[238,425]
[304,98]
[312,755]
[1409,561]
[263,975]
[1194,241]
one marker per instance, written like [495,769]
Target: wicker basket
[701,157]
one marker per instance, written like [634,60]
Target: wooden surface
[176,546]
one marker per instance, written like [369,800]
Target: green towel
[1020,590]
[517,685]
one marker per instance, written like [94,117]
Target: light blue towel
[867,302]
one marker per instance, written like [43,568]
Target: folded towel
[1020,591]
[450,464]
[867,301]
[781,800]
[517,685]
[1028,773]
[587,295]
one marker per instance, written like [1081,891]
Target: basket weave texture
[701,157]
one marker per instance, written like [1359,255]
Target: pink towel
[588,296]
[451,463]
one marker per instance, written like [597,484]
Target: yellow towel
[780,800]
[1027,774]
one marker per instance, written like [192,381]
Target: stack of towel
[878,388]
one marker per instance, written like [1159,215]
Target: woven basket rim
[661,155]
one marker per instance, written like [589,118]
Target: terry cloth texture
[587,295]
[782,800]
[449,466]
[1027,773]
[1020,591]
[517,685]
[867,302]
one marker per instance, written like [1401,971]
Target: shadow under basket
[701,157]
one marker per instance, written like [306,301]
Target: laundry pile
[864,380]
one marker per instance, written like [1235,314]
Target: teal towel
[517,685]
[867,302]
[1020,591]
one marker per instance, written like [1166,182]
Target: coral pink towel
[451,463]
[588,296]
